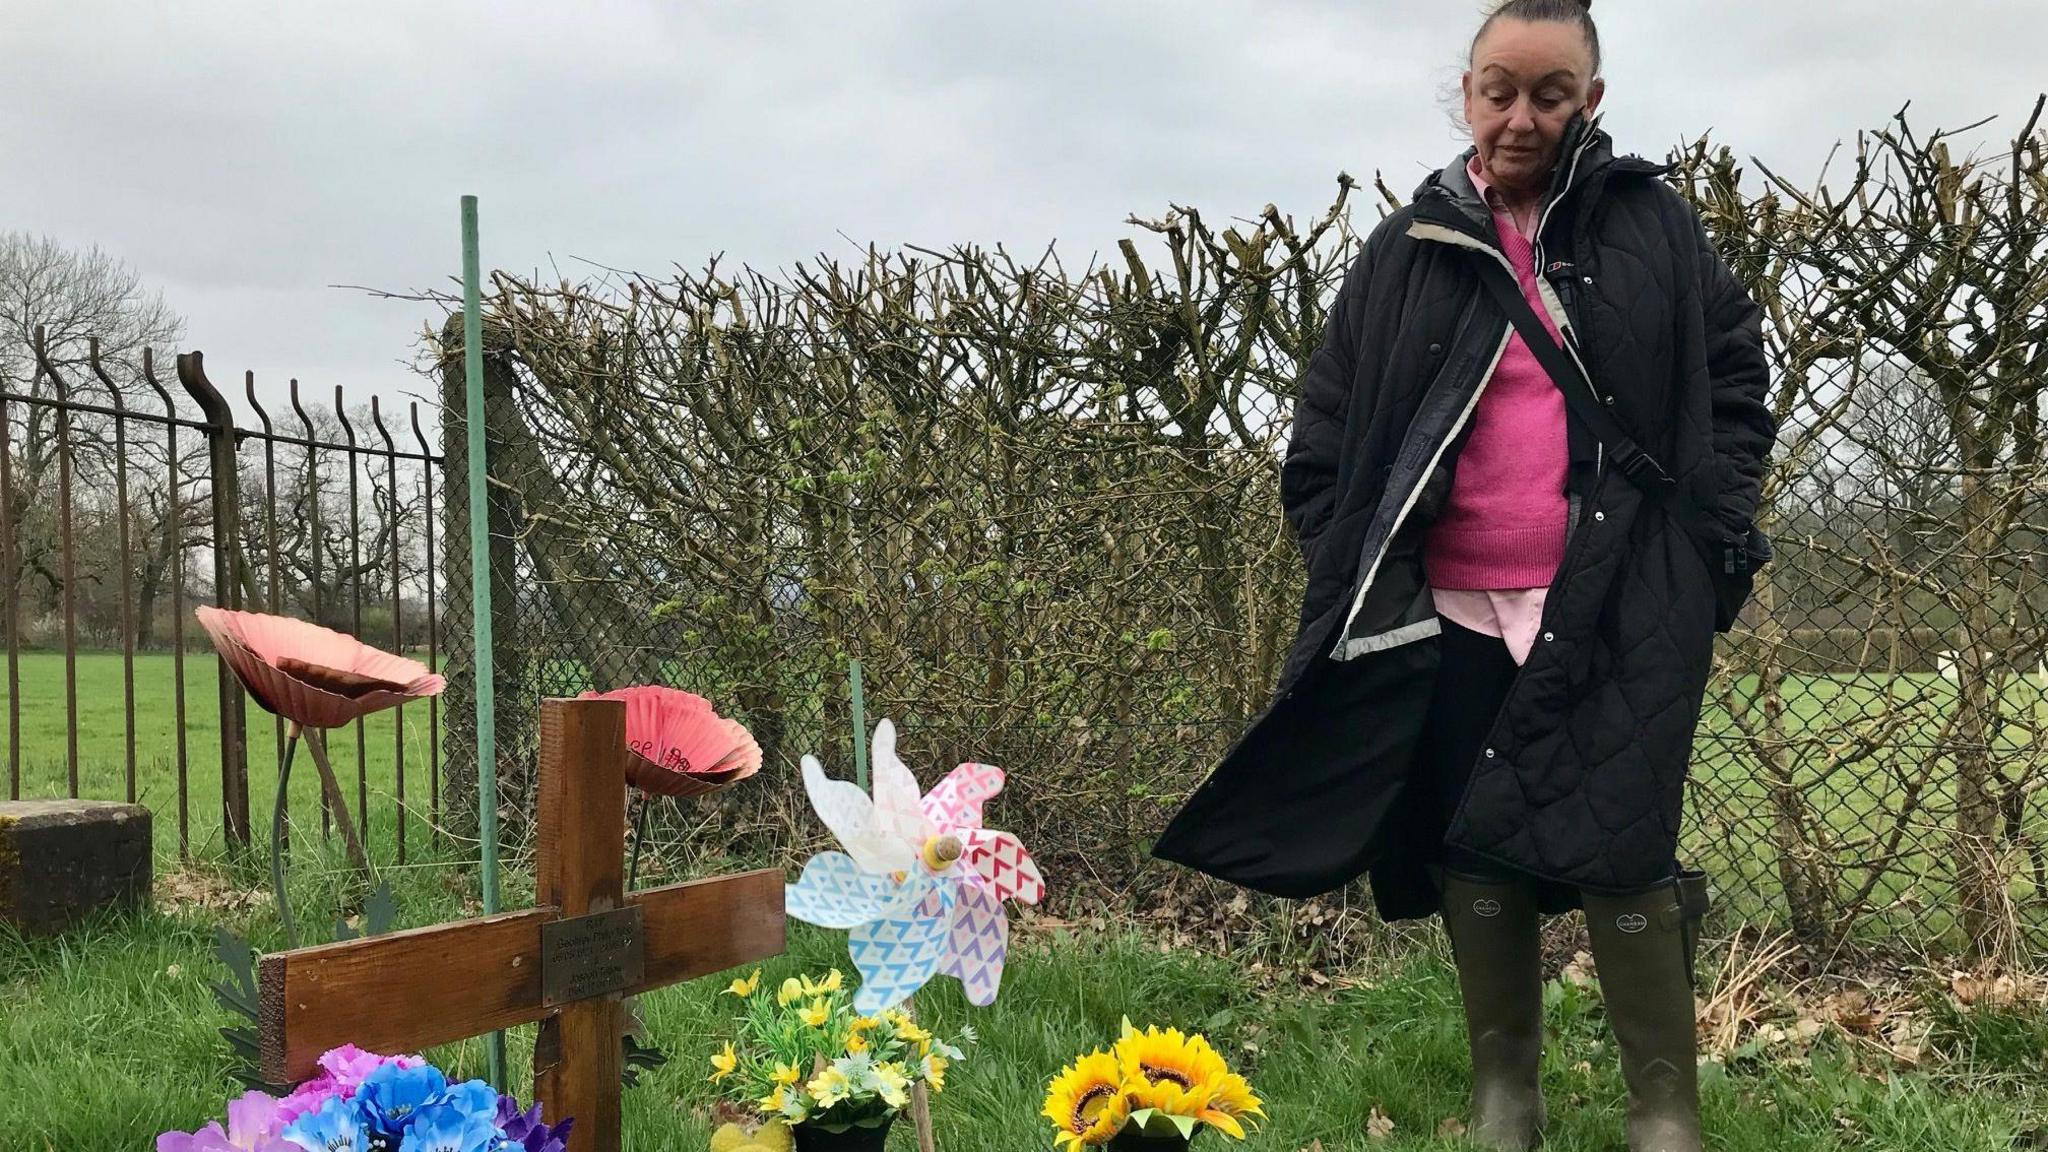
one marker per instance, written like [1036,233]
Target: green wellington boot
[1642,949]
[1494,936]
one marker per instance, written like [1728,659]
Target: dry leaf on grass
[191,888]
[1450,1129]
[1579,971]
[1989,988]
[1378,1126]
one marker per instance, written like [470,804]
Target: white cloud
[244,156]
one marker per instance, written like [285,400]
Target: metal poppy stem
[277,810]
[639,834]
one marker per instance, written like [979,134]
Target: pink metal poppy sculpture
[314,678]
[678,745]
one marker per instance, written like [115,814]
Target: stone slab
[63,860]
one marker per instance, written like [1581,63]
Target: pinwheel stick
[921,1103]
[921,1117]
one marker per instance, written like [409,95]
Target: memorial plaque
[586,956]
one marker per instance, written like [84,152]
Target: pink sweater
[1503,525]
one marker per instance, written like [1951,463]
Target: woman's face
[1526,81]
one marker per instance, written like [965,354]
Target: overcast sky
[244,157]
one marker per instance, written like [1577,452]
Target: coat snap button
[1589,279]
[1549,636]
[1436,349]
[1608,400]
[1489,753]
[1599,515]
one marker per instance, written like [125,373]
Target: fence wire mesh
[1039,503]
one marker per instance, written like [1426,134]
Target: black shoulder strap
[1639,467]
[1580,396]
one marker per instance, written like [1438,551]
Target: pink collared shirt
[1513,614]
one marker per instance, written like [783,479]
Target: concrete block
[61,860]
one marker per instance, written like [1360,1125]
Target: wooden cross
[566,963]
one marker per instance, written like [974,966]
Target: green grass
[106,1038]
[1859,803]
[102,751]
[107,1035]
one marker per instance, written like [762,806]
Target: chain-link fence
[1040,504]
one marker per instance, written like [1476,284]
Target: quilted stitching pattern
[1591,751]
[1586,783]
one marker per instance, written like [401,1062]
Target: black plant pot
[1134,1140]
[811,1138]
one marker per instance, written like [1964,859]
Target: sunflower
[1232,1095]
[1196,1103]
[1085,1104]
[1167,1056]
[1183,1076]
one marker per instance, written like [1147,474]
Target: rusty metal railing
[92,478]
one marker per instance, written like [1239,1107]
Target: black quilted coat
[1582,777]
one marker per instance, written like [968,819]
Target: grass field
[107,1035]
[1729,834]
[102,755]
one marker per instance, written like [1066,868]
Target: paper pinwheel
[921,885]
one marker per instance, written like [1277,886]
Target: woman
[1513,590]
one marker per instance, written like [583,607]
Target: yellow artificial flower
[832,982]
[723,1063]
[792,991]
[818,1013]
[771,1136]
[785,1073]
[1154,1055]
[1085,1104]
[1169,1098]
[855,1042]
[893,1085]
[745,988]
[829,1087]
[907,1029]
[1233,1096]
[1183,1076]
[862,1023]
[935,1072]
[784,1103]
